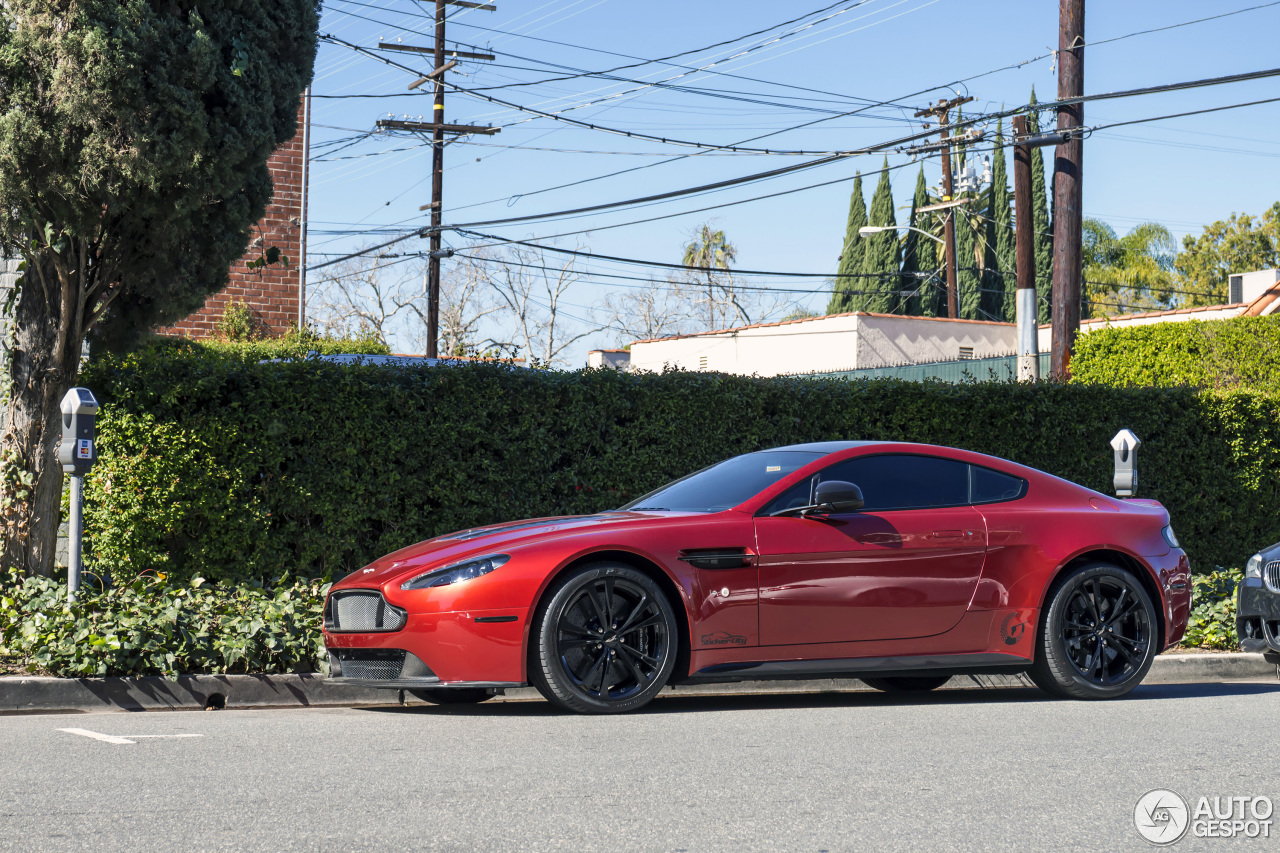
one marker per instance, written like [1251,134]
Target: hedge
[1240,352]
[230,469]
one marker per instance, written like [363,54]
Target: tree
[1040,217]
[882,253]
[466,299]
[134,136]
[706,252]
[849,282]
[969,251]
[529,289]
[920,259]
[1237,244]
[360,298]
[1130,273]
[659,310]
[1001,285]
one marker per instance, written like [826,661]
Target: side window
[987,486]
[801,494]
[903,481]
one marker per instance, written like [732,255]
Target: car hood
[481,541]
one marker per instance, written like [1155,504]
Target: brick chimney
[271,292]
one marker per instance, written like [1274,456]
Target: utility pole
[1068,174]
[1028,331]
[438,130]
[942,111]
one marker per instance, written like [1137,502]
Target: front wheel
[1098,636]
[907,683]
[605,641]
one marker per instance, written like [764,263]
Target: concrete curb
[28,694]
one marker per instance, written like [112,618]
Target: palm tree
[708,251]
[1130,272]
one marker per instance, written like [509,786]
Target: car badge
[368,571]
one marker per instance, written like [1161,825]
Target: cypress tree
[882,253]
[968,282]
[1040,217]
[1002,282]
[920,256]
[845,296]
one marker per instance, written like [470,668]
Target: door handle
[948,534]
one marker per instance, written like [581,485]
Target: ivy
[154,626]
[1212,624]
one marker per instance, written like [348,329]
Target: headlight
[456,573]
[1167,533]
[1253,568]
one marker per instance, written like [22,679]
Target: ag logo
[1011,632]
[1161,816]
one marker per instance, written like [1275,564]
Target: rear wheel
[605,641]
[907,683]
[1098,636]
[452,695]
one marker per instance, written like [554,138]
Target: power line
[558,116]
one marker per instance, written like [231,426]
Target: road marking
[114,738]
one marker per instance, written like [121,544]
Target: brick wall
[271,292]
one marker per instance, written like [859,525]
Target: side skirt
[853,667]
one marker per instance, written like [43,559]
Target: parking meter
[77,453]
[1126,445]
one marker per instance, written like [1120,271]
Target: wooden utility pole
[437,193]
[942,111]
[1028,329]
[1068,174]
[438,129]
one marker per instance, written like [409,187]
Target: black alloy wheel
[605,642]
[452,695]
[907,683]
[1099,634]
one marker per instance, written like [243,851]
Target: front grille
[1271,571]
[370,664]
[362,611]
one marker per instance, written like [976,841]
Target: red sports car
[900,564]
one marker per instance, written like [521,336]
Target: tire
[604,641]
[453,695]
[1098,636]
[907,683]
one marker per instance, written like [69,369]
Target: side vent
[1236,290]
[718,558]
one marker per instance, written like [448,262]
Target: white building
[819,344]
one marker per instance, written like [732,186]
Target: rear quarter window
[988,487]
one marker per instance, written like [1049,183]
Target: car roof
[829,446]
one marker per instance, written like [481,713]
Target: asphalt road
[958,770]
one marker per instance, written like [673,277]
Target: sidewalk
[28,694]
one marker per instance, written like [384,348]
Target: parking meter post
[1125,446]
[76,454]
[76,525]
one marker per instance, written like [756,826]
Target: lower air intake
[370,664]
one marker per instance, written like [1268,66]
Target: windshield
[727,484]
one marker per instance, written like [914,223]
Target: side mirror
[839,495]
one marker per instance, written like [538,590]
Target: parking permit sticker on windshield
[769,469]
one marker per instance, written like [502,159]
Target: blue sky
[1183,173]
